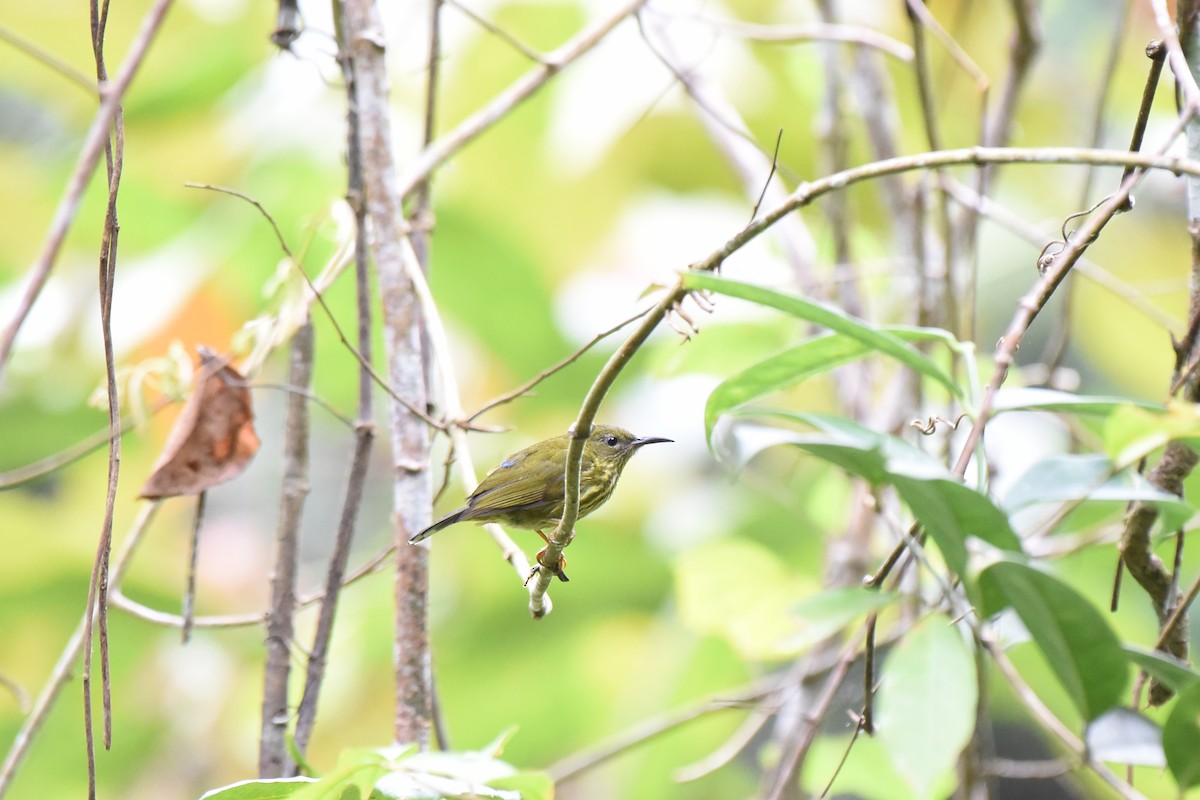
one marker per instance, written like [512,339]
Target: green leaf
[357,777]
[926,702]
[1073,636]
[1093,479]
[1032,399]
[805,360]
[1132,433]
[950,511]
[1181,739]
[825,613]
[830,317]
[808,359]
[531,785]
[1166,669]
[270,789]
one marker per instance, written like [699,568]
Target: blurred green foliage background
[548,229]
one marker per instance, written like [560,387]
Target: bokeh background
[548,230]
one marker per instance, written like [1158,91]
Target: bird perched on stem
[528,489]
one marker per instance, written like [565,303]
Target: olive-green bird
[526,490]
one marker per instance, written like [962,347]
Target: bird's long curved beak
[649,440]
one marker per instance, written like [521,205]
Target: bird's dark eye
[611,441]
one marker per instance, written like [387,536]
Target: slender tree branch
[364,42]
[47,59]
[273,758]
[814,32]
[364,430]
[97,600]
[469,129]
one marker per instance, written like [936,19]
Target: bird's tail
[444,522]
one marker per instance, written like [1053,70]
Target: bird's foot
[558,570]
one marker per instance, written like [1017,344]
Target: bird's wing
[519,484]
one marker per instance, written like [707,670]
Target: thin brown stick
[1037,297]
[497,31]
[814,32]
[790,759]
[47,59]
[189,592]
[364,431]
[572,766]
[528,386]
[273,758]
[411,485]
[97,602]
[499,107]
[364,362]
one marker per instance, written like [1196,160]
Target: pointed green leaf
[808,359]
[949,510]
[267,789]
[1073,636]
[1092,479]
[1132,433]
[829,316]
[813,357]
[825,613]
[1024,398]
[1181,739]
[1165,669]
[926,702]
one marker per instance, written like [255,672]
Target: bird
[527,489]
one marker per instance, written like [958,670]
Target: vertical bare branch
[412,487]
[97,602]
[273,758]
[1179,459]
[364,427]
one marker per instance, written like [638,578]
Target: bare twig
[364,430]
[1010,221]
[469,129]
[814,32]
[319,296]
[1051,723]
[47,59]
[497,31]
[97,600]
[1035,299]
[528,386]
[273,758]
[189,591]
[412,493]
